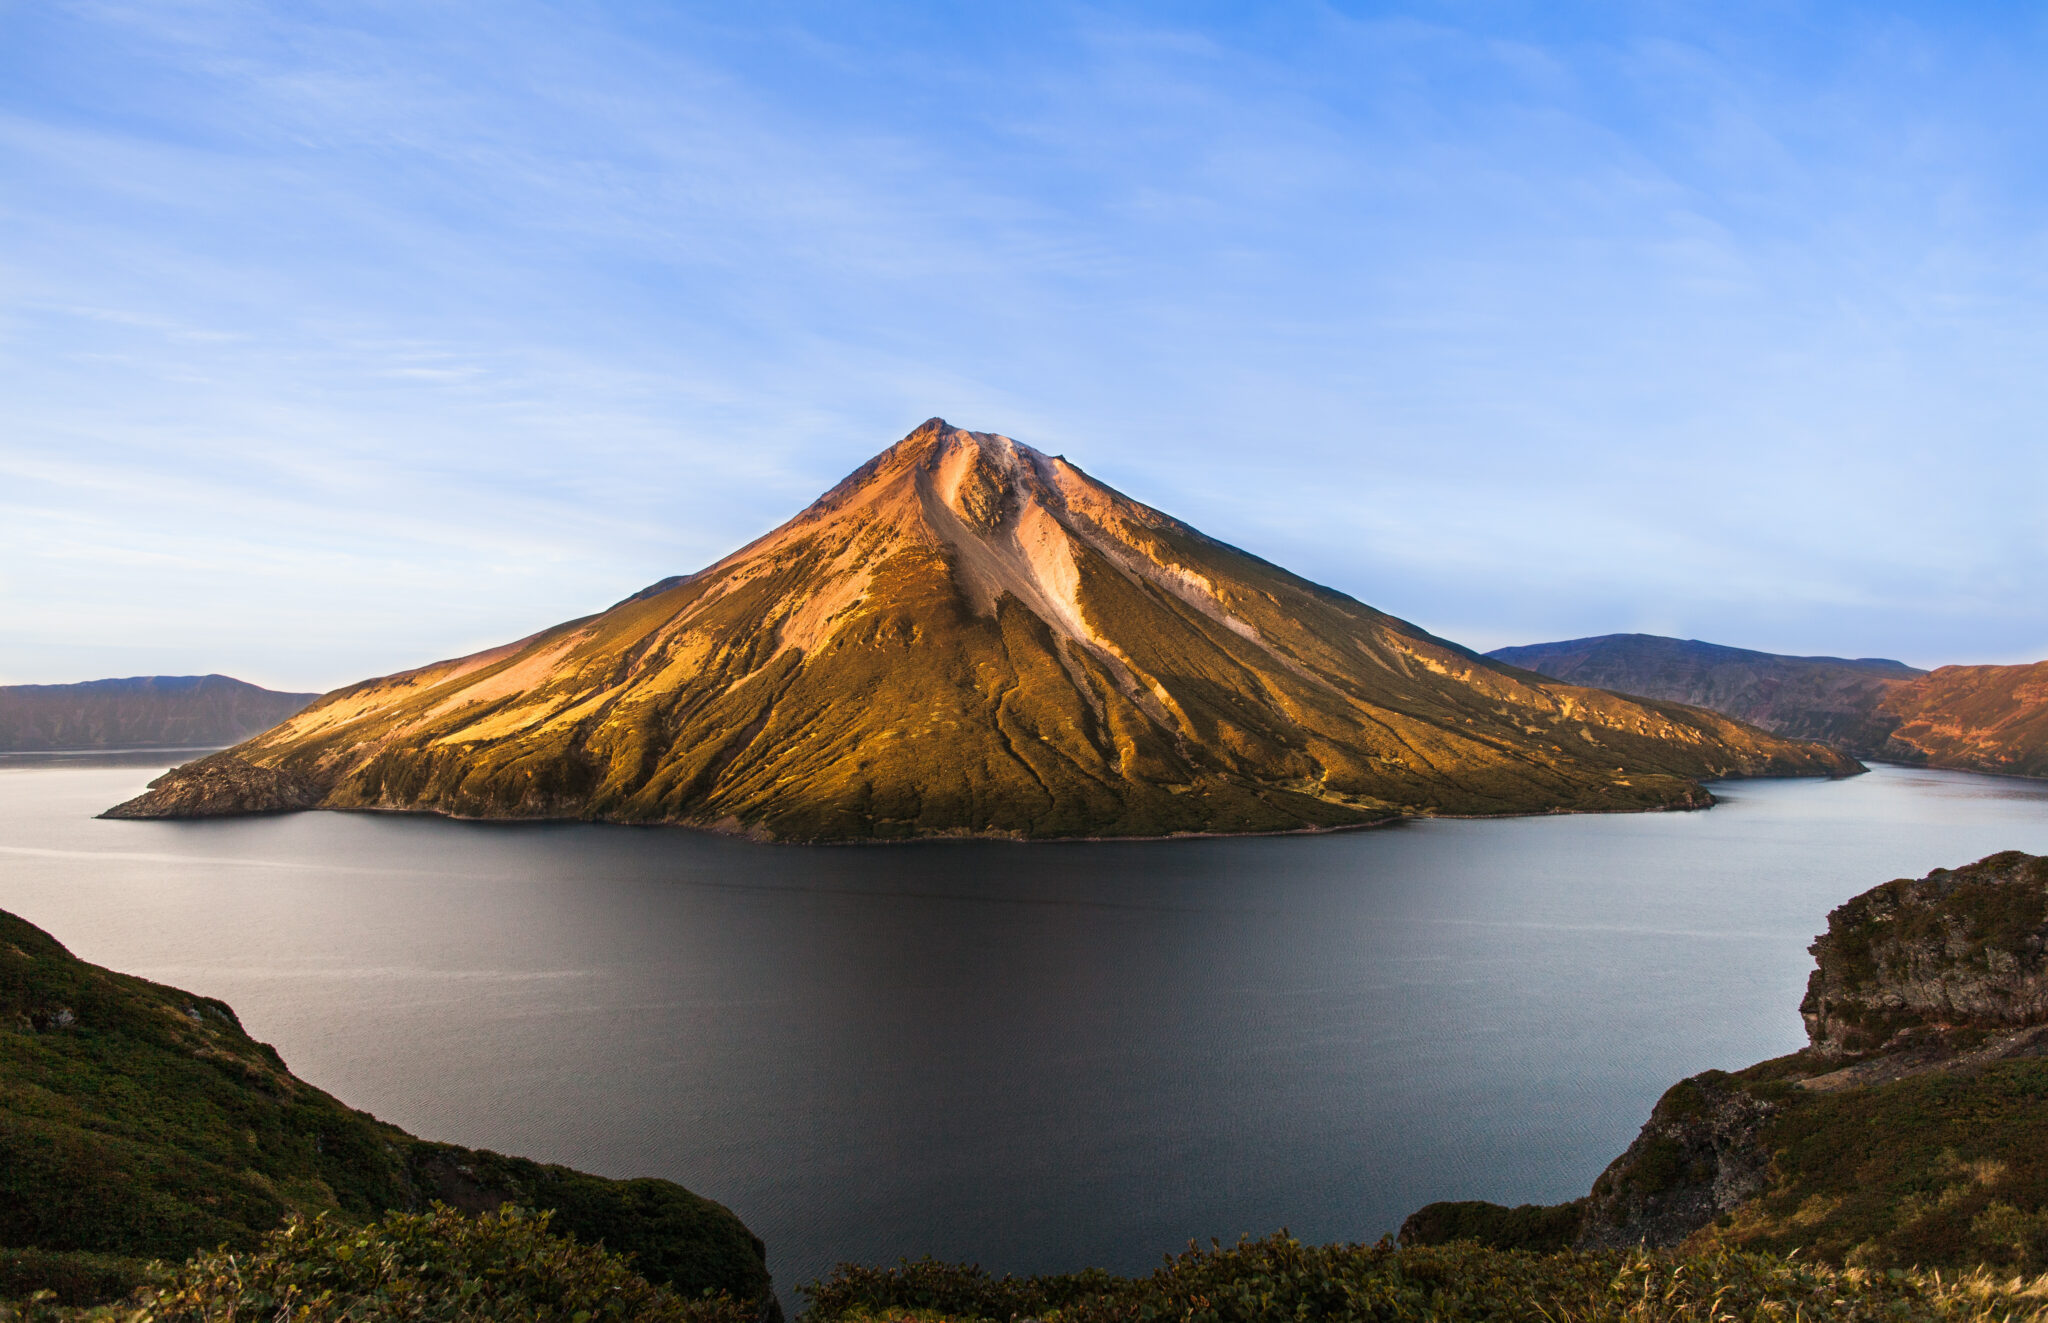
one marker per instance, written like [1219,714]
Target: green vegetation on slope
[140,1121]
[504,1267]
[1942,1168]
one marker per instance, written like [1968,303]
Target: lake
[1032,1056]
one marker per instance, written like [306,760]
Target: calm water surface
[1037,1057]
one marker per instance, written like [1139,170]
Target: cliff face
[1959,949]
[144,712]
[1698,1156]
[140,1120]
[967,636]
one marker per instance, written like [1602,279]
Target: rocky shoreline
[1926,1066]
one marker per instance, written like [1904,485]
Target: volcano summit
[969,637]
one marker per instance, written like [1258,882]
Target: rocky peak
[1958,952]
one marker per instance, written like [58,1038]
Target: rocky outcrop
[222,785]
[1958,952]
[1698,1156]
[1908,1132]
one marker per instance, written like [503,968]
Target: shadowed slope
[141,1121]
[141,712]
[969,636]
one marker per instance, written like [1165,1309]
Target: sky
[338,338]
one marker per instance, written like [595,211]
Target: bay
[1036,1057]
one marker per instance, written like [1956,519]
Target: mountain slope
[1981,718]
[1975,718]
[1831,699]
[139,1120]
[969,636]
[141,712]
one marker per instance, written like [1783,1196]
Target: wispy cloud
[450,315]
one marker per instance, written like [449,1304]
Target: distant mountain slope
[1974,718]
[139,1120]
[1831,699]
[142,712]
[1984,718]
[969,637]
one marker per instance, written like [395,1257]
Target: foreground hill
[1907,1132]
[1831,699]
[968,636]
[1975,718]
[139,1121]
[141,712]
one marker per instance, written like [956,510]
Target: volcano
[969,637]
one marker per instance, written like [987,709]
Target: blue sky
[338,338]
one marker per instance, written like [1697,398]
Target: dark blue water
[1037,1057]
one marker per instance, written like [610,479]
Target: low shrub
[503,1267]
[1280,1280]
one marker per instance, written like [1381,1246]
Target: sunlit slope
[1980,718]
[969,636]
[1986,718]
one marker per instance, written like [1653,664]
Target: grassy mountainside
[140,1121]
[1831,699]
[1907,1133]
[142,712]
[967,636]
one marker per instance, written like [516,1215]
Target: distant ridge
[967,636]
[1831,699]
[1973,718]
[140,712]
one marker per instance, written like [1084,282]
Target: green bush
[951,1289]
[70,1277]
[1538,1227]
[503,1267]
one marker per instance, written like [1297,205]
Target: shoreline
[941,838]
